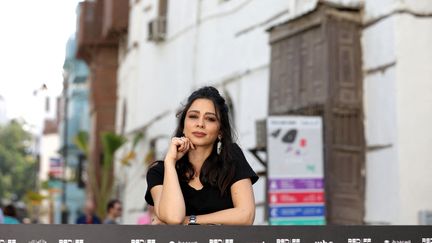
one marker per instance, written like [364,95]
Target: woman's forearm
[171,208]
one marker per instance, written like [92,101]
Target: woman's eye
[212,119]
[193,116]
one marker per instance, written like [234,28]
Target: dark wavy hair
[218,169]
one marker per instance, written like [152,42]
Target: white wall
[382,195]
[414,88]
[397,98]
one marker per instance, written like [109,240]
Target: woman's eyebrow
[207,113]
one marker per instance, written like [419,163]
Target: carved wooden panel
[345,66]
[282,90]
[347,127]
[297,72]
[312,87]
[346,166]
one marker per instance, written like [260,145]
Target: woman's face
[201,123]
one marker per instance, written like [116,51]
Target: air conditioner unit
[425,217]
[157,29]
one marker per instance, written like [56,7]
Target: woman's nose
[200,123]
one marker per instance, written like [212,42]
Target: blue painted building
[76,108]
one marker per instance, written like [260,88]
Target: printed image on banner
[295,146]
[296,177]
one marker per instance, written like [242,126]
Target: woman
[204,178]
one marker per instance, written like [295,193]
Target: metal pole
[64,207]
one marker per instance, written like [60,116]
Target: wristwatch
[193,220]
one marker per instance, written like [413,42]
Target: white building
[3,117]
[225,43]
[50,163]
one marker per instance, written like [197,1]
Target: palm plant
[102,189]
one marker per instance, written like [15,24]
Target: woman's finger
[189,143]
[182,145]
[192,146]
[186,145]
[175,141]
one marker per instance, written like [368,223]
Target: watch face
[192,220]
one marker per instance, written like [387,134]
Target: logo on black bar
[143,241]
[287,240]
[426,240]
[323,241]
[221,240]
[359,240]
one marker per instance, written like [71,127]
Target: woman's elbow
[250,220]
[248,217]
[173,220]
[170,217]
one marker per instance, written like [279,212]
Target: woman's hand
[178,148]
[168,198]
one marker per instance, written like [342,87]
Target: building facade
[360,65]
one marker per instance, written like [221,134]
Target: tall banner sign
[295,170]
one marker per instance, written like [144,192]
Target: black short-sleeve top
[208,199]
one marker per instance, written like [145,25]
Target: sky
[32,52]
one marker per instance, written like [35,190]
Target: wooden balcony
[115,18]
[89,27]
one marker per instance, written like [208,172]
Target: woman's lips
[199,134]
